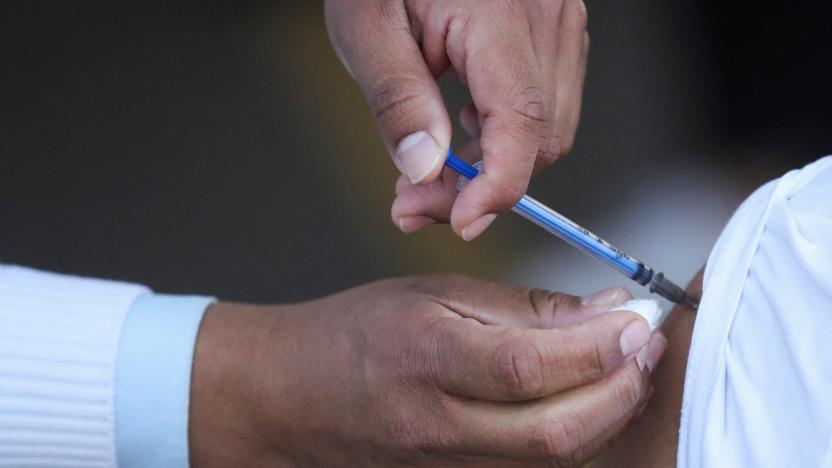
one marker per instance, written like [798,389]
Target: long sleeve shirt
[93,373]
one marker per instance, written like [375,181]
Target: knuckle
[590,354]
[550,152]
[519,368]
[558,300]
[628,388]
[597,367]
[545,304]
[557,145]
[540,301]
[559,440]
[395,97]
[529,103]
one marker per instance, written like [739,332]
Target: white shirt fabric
[58,348]
[758,388]
[93,373]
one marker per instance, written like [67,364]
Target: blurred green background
[220,148]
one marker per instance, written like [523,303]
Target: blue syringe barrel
[566,229]
[581,238]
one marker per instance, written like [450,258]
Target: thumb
[380,50]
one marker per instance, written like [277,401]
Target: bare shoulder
[652,439]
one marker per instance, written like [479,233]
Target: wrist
[232,423]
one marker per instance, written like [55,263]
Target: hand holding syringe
[584,240]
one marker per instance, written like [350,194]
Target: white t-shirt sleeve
[58,347]
[759,374]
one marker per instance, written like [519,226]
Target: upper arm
[652,439]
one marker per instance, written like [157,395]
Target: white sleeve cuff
[153,380]
[58,348]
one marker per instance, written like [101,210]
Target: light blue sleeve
[153,380]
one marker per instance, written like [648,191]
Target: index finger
[505,80]
[499,363]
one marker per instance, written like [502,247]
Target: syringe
[584,240]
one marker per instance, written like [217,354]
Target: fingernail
[641,357]
[410,224]
[656,347]
[417,155]
[478,226]
[634,337]
[605,297]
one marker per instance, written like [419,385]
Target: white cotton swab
[647,308]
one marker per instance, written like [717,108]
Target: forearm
[652,439]
[223,403]
[266,385]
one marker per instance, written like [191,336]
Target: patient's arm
[652,439]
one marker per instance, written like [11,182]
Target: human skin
[524,62]
[427,371]
[652,439]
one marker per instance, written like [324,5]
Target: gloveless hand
[439,370]
[524,63]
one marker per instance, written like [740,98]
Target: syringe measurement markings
[581,238]
[618,253]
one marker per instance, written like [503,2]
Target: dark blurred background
[219,147]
